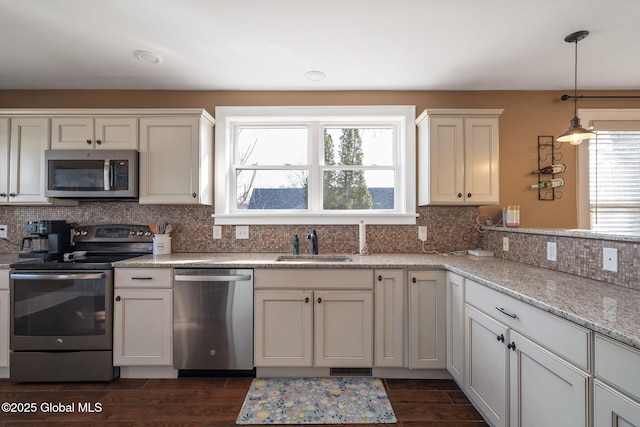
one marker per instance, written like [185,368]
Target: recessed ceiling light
[315,76]
[148,57]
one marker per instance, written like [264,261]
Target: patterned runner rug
[334,400]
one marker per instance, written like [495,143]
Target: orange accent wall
[526,115]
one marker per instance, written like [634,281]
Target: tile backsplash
[577,255]
[448,229]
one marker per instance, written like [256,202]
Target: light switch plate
[242,231]
[3,231]
[505,244]
[422,233]
[610,259]
[552,251]
[217,232]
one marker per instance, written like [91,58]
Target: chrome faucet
[314,242]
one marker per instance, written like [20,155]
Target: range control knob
[84,232]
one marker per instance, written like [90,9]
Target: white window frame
[402,117]
[587,116]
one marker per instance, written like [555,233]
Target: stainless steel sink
[311,259]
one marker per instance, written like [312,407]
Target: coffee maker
[48,239]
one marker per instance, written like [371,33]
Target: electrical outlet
[505,244]
[217,232]
[422,233]
[610,259]
[3,231]
[242,231]
[552,251]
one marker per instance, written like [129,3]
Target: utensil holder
[161,244]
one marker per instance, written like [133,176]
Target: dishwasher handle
[196,278]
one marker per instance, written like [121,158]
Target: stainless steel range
[62,306]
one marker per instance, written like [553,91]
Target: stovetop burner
[104,244]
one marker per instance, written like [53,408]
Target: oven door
[61,310]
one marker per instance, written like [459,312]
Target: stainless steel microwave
[91,174]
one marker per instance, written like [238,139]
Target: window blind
[614,177]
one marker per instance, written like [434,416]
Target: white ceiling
[359,44]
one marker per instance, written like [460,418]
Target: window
[315,165]
[609,172]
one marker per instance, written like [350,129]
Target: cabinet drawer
[617,364]
[143,278]
[313,278]
[562,337]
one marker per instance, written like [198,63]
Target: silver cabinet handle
[503,311]
[185,278]
[35,276]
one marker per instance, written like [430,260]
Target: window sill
[311,219]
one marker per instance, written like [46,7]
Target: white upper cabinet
[176,160]
[99,133]
[458,157]
[28,141]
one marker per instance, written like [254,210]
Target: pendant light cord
[575,82]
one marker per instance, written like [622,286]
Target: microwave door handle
[107,173]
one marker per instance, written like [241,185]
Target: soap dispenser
[296,245]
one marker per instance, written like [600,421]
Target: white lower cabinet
[313,318]
[617,384]
[283,328]
[544,389]
[390,318]
[427,320]
[455,326]
[611,408]
[515,380]
[486,365]
[142,319]
[299,328]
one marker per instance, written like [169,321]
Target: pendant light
[576,132]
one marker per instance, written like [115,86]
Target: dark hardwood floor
[205,402]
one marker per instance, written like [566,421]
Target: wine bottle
[551,169]
[550,183]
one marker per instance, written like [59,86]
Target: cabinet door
[143,327]
[446,161]
[72,133]
[390,320]
[427,320]
[170,161]
[283,328]
[4,328]
[486,365]
[455,326]
[116,133]
[544,389]
[29,140]
[4,160]
[481,161]
[343,328]
[613,409]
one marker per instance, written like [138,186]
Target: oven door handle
[74,276]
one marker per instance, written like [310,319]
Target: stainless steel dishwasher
[213,319]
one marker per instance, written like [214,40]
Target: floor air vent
[350,372]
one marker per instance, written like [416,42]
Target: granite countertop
[608,309]
[6,259]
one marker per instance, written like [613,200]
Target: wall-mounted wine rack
[548,154]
